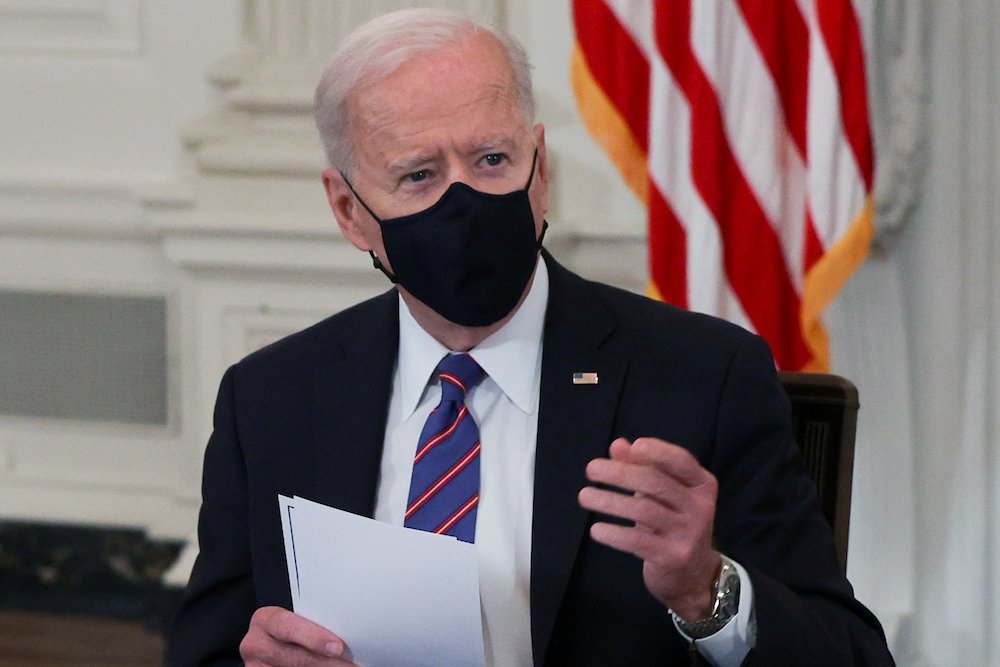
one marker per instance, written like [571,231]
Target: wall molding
[161,514]
[70,27]
[49,206]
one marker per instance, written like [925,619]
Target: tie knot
[459,373]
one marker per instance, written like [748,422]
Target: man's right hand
[281,638]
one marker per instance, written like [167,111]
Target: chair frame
[824,414]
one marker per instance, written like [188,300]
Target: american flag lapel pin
[584,378]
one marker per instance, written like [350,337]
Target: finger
[286,655]
[290,628]
[640,543]
[299,631]
[667,552]
[619,450]
[645,511]
[644,479]
[673,459]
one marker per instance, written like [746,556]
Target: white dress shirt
[505,407]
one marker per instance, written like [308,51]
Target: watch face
[727,603]
[729,595]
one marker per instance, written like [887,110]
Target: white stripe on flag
[836,189]
[754,123]
[637,20]
[708,290]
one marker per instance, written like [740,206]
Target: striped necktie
[444,488]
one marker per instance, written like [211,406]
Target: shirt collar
[511,356]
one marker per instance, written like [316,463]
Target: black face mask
[469,256]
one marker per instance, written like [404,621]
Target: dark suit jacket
[306,416]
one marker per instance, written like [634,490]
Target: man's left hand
[671,498]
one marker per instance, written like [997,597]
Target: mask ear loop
[531,176]
[376,262]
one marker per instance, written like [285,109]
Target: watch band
[724,607]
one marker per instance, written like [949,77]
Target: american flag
[743,127]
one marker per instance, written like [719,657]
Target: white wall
[99,91]
[95,96]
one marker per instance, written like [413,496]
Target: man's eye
[493,159]
[418,176]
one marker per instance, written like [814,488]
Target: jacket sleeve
[769,520]
[215,612]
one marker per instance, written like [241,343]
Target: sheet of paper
[287,506]
[397,597]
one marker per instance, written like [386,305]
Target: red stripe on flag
[625,77]
[812,245]
[667,250]
[839,25]
[753,258]
[782,38]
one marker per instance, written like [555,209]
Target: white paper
[287,506]
[397,597]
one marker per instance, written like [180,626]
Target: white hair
[379,47]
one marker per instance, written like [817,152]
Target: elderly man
[625,469]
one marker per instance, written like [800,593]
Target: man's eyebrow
[408,164]
[489,143]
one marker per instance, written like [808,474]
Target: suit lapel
[350,407]
[574,426]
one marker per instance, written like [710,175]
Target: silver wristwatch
[727,603]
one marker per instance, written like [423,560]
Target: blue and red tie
[444,488]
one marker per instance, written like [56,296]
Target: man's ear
[346,209]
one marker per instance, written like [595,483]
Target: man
[635,499]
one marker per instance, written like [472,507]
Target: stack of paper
[397,597]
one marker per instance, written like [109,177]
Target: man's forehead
[480,59]
[475,117]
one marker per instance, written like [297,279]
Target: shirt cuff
[730,645]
